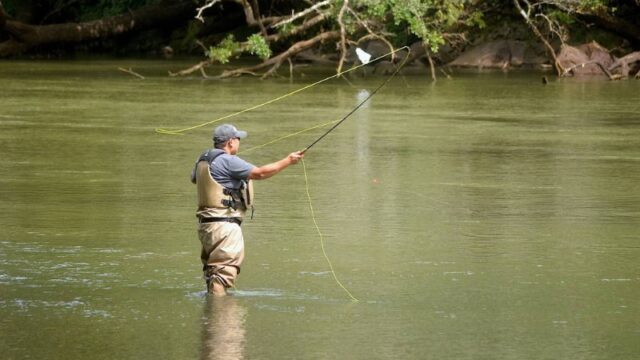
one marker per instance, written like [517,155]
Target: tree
[279,31]
[19,36]
[557,17]
[345,23]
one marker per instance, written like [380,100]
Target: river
[487,216]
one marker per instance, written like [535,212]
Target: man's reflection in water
[223,333]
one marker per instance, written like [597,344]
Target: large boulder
[500,54]
[586,59]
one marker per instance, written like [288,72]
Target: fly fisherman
[225,193]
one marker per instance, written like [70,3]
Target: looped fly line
[181,131]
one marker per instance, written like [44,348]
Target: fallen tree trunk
[23,37]
[618,26]
[625,62]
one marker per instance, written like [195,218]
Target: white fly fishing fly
[363,56]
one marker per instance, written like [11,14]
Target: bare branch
[527,17]
[206,6]
[372,34]
[188,71]
[256,11]
[625,61]
[431,65]
[131,72]
[302,13]
[305,26]
[248,11]
[602,67]
[343,36]
[243,46]
[554,27]
[276,61]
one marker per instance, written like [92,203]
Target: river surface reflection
[482,217]
[224,332]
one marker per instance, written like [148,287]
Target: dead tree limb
[302,13]
[343,36]
[205,7]
[604,69]
[243,46]
[527,17]
[372,34]
[248,11]
[624,63]
[256,12]
[431,64]
[299,29]
[196,67]
[131,72]
[276,61]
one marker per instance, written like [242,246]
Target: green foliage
[562,17]
[426,19]
[286,28]
[593,5]
[225,50]
[229,47]
[257,45]
[476,18]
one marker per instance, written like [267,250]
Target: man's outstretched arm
[267,171]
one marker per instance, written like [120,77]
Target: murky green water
[484,217]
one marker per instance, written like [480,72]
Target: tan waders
[222,253]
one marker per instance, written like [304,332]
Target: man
[224,195]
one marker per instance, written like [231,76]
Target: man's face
[234,145]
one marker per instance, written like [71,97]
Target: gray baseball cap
[227,132]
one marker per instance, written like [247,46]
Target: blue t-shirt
[227,170]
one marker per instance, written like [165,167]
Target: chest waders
[219,204]
[224,204]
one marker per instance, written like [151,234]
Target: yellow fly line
[289,135]
[315,223]
[306,178]
[181,131]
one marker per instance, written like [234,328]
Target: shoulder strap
[210,155]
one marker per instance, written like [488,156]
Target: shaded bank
[502,34]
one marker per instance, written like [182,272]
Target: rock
[384,67]
[376,48]
[583,59]
[167,52]
[499,54]
[313,57]
[596,52]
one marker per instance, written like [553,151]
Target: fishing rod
[359,105]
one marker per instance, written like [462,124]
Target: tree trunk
[25,36]
[625,29]
[625,62]
[536,31]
